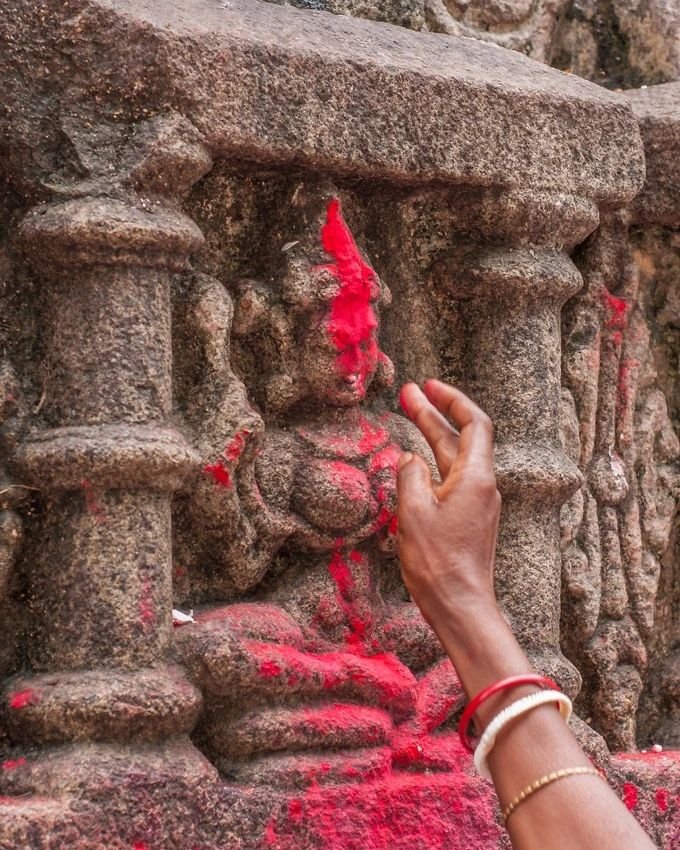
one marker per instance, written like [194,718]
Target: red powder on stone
[387,458]
[234,449]
[270,669]
[341,573]
[140,845]
[11,764]
[20,699]
[384,518]
[92,503]
[219,473]
[630,795]
[352,320]
[373,437]
[616,309]
[147,614]
[395,813]
[661,797]
[393,525]
[350,480]
[355,556]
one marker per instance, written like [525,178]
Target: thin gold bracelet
[542,782]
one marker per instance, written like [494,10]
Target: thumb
[414,480]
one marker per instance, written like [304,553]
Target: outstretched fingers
[475,444]
[438,432]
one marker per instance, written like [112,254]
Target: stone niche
[229,232]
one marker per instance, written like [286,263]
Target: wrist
[461,614]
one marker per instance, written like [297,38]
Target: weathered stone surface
[210,420]
[404,13]
[392,114]
[618,45]
[620,533]
[648,783]
[623,44]
[616,530]
[658,112]
[522,25]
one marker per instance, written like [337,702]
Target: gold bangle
[542,782]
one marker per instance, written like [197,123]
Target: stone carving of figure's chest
[343,480]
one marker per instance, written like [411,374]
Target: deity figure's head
[315,331]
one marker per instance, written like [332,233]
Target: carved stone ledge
[100,705]
[515,273]
[106,231]
[535,472]
[105,457]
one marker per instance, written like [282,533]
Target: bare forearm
[447,539]
[576,812]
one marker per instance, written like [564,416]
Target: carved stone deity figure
[293,523]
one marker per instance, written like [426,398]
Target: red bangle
[502,685]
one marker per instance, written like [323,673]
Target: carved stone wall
[615,44]
[228,229]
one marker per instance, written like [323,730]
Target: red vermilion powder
[341,573]
[616,310]
[219,473]
[661,797]
[20,699]
[234,449]
[630,795]
[270,669]
[92,502]
[373,437]
[350,480]
[352,320]
[387,458]
[11,764]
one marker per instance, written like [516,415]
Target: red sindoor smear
[630,795]
[352,320]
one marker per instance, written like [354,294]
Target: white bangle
[516,709]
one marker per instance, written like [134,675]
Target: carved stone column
[510,282]
[107,459]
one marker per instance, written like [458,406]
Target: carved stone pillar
[510,283]
[107,459]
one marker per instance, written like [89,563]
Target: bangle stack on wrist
[496,688]
[550,693]
[515,709]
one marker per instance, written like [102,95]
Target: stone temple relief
[308,643]
[526,25]
[617,529]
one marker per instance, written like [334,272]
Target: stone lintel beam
[270,84]
[657,110]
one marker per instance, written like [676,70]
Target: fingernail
[404,458]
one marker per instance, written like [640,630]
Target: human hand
[448,531]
